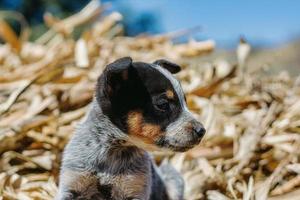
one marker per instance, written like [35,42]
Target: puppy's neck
[101,125]
[108,146]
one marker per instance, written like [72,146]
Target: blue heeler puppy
[137,107]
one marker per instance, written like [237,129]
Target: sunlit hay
[251,149]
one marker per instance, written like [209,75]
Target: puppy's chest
[124,186]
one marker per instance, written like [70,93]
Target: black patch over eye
[162,105]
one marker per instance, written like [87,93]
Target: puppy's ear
[117,73]
[119,66]
[171,67]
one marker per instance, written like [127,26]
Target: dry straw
[251,150]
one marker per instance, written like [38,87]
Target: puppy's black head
[146,102]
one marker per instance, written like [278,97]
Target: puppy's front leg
[66,194]
[77,185]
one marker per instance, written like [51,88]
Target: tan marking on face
[135,123]
[136,127]
[170,94]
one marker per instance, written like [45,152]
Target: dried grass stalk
[251,149]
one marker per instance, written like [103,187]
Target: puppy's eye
[162,105]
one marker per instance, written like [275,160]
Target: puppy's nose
[199,129]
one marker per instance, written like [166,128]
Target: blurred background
[263,23]
[267,25]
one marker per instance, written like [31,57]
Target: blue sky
[261,21]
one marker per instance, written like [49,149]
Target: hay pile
[252,147]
